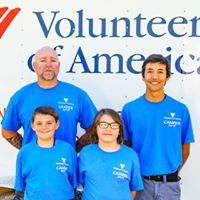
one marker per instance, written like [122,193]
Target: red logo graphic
[7,19]
[2,112]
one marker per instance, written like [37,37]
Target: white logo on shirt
[172,114]
[120,172]
[62,166]
[65,99]
[172,121]
[122,165]
[65,105]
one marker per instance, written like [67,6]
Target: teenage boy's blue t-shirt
[46,173]
[72,104]
[157,131]
[109,175]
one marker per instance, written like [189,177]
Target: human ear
[32,126]
[57,124]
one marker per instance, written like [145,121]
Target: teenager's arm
[133,194]
[14,138]
[185,153]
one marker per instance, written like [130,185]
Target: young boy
[47,167]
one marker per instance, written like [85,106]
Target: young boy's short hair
[45,110]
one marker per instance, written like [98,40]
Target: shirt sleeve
[19,179]
[87,110]
[11,120]
[81,168]
[187,131]
[136,183]
[73,169]
[125,119]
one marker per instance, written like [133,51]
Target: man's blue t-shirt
[47,173]
[109,175]
[157,131]
[72,104]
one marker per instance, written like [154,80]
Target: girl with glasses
[108,169]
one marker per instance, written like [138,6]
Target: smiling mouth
[155,83]
[107,134]
[44,132]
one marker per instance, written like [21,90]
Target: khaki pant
[158,190]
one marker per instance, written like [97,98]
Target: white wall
[25,35]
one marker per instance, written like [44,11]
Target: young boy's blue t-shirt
[46,173]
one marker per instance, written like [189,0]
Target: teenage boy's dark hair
[157,58]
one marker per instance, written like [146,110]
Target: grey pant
[157,190]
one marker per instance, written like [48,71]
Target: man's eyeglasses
[105,125]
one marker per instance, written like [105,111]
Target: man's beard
[50,77]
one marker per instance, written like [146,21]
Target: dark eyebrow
[160,69]
[149,69]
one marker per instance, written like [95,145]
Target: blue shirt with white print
[46,173]
[109,175]
[157,131]
[72,104]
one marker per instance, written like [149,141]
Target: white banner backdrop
[101,45]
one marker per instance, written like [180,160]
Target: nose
[48,63]
[154,75]
[44,126]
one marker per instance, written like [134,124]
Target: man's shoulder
[71,87]
[27,88]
